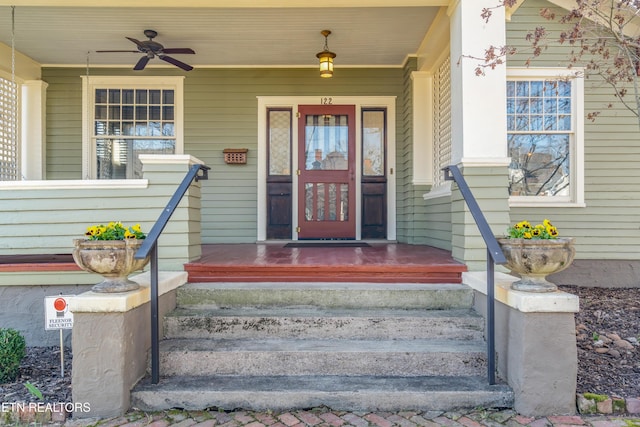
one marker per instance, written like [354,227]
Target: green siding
[489,189]
[607,228]
[47,220]
[438,222]
[220,111]
[412,209]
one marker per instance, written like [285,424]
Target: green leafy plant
[596,397]
[524,230]
[34,390]
[12,351]
[114,231]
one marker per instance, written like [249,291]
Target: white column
[478,126]
[33,129]
[422,127]
[478,110]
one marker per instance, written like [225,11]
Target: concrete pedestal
[535,344]
[111,342]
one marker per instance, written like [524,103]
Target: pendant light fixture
[326,57]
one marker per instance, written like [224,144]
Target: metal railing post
[494,256]
[150,248]
[155,327]
[491,321]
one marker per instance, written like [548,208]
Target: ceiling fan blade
[184,50]
[177,63]
[138,43]
[141,63]
[107,51]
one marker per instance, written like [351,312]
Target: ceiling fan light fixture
[326,57]
[152,49]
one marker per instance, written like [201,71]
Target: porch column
[33,130]
[180,241]
[478,130]
[422,127]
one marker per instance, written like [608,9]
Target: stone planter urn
[534,259]
[113,259]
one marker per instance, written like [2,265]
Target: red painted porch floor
[271,262]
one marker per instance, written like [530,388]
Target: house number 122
[326,101]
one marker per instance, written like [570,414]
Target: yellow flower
[524,230]
[114,231]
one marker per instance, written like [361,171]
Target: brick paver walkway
[324,417]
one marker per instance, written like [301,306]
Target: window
[9,161]
[373,142]
[544,136]
[279,135]
[128,117]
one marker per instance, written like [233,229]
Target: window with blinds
[129,122]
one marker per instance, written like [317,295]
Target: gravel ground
[607,332]
[607,328]
[41,367]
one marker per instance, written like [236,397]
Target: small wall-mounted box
[235,156]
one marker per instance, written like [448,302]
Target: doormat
[332,244]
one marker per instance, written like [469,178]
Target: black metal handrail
[150,248]
[494,256]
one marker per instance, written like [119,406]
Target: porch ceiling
[221,36]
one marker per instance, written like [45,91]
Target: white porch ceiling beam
[225,3]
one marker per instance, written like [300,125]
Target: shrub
[12,351]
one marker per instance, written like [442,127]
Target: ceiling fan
[152,49]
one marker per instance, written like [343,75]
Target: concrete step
[351,346]
[326,295]
[349,357]
[323,323]
[362,393]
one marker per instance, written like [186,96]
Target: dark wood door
[326,172]
[279,182]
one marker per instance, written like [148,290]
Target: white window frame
[91,83]
[576,147]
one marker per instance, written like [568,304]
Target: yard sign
[57,314]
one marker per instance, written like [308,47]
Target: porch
[325,261]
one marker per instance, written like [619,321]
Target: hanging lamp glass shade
[326,57]
[326,63]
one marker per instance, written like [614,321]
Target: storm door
[326,172]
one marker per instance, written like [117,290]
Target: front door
[326,172]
